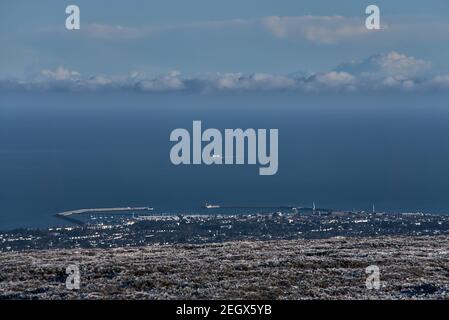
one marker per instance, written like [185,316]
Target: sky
[179,39]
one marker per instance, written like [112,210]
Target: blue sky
[199,38]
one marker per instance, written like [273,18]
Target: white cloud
[392,64]
[439,81]
[331,80]
[99,80]
[256,81]
[318,29]
[117,32]
[58,74]
[171,81]
[102,31]
[398,64]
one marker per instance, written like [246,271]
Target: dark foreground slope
[410,267]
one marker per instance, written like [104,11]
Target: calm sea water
[64,151]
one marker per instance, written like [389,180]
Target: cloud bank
[392,71]
[318,29]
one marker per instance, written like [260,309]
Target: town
[114,230]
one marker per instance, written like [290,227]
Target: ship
[211,206]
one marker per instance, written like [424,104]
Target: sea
[62,151]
